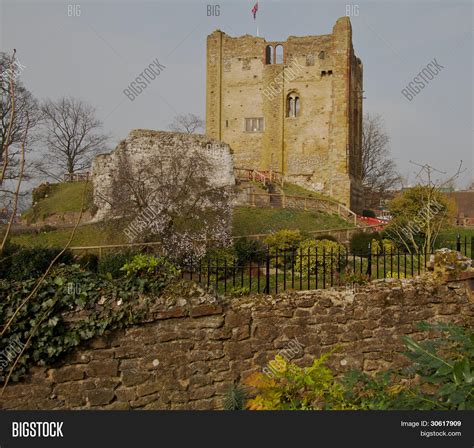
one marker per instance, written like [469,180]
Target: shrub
[89,262]
[328,252]
[326,237]
[283,244]
[296,388]
[359,242]
[440,377]
[283,240]
[23,263]
[143,265]
[247,250]
[113,262]
[41,191]
[383,246]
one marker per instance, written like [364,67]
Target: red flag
[254,10]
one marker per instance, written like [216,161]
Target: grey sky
[96,55]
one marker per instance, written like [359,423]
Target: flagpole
[256,20]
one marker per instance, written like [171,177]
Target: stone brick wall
[318,149]
[193,346]
[141,145]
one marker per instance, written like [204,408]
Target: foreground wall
[192,349]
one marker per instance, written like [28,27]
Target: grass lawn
[296,190]
[251,220]
[87,235]
[64,197]
[247,221]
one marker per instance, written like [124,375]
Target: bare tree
[19,115]
[187,123]
[171,199]
[72,134]
[378,170]
[17,120]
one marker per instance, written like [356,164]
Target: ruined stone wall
[141,145]
[192,347]
[318,149]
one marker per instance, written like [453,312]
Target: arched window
[269,54]
[292,105]
[279,54]
[322,55]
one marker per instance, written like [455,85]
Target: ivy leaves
[71,306]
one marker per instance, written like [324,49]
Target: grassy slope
[249,220]
[296,190]
[66,197]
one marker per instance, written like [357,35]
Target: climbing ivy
[71,306]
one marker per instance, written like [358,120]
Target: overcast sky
[95,56]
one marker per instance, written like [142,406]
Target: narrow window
[292,105]
[269,54]
[323,73]
[279,54]
[254,124]
[322,55]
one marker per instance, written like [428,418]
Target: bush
[328,252]
[89,262]
[383,246]
[24,263]
[326,237]
[369,214]
[283,240]
[247,250]
[359,243]
[296,388]
[41,191]
[113,262]
[440,377]
[142,265]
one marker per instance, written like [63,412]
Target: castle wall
[320,148]
[142,145]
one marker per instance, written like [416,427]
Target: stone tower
[292,106]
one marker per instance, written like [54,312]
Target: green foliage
[146,264]
[111,264]
[419,214]
[326,237]
[89,262]
[383,246]
[102,304]
[20,263]
[234,399]
[440,377]
[447,364]
[41,191]
[330,252]
[247,250]
[283,240]
[296,388]
[359,242]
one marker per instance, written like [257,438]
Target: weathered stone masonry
[320,146]
[191,349]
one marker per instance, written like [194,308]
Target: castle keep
[293,107]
